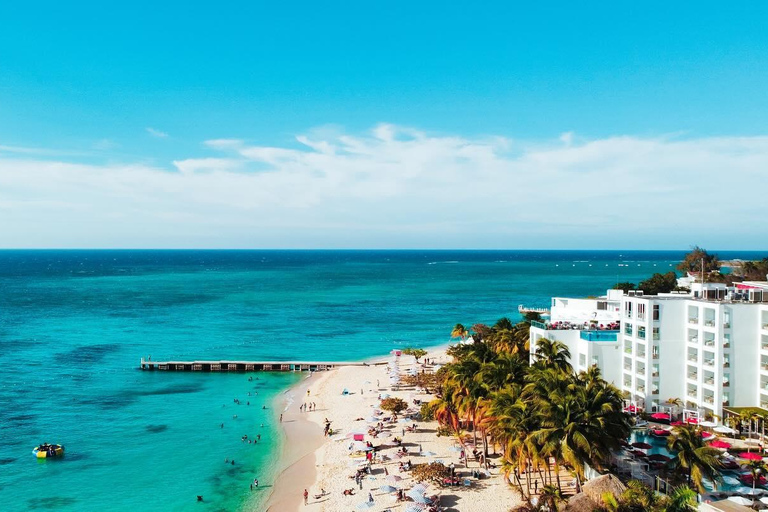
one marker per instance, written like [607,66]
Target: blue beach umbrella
[414,507]
[387,488]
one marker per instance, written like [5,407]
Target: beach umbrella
[405,420]
[415,507]
[706,434]
[740,500]
[365,505]
[692,421]
[708,424]
[372,420]
[394,478]
[421,488]
[657,457]
[764,500]
[427,454]
[677,423]
[720,444]
[384,396]
[456,449]
[642,446]
[387,488]
[751,456]
[660,416]
[722,429]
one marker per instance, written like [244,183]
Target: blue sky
[111,91]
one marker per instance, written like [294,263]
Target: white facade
[708,348]
[583,326]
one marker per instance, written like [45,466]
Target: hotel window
[656,334]
[656,312]
[628,309]
[641,311]
[640,331]
[582,360]
[628,329]
[595,361]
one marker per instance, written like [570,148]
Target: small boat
[48,451]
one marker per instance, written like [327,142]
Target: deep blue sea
[74,325]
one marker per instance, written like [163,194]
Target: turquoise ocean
[74,325]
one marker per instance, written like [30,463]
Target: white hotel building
[708,347]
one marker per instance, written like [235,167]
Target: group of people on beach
[311,406]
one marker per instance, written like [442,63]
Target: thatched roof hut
[581,503]
[596,487]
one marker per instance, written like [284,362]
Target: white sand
[330,466]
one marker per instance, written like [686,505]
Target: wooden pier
[245,366]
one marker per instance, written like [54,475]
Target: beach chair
[467,482]
[345,391]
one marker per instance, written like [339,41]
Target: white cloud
[156,133]
[399,187]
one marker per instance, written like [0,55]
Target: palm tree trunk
[557,473]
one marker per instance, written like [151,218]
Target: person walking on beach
[306,497]
[281,418]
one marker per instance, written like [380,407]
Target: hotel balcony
[693,339]
[693,376]
[709,323]
[655,391]
[692,394]
[709,363]
[709,399]
[694,358]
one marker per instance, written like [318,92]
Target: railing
[599,335]
[709,399]
[693,320]
[694,359]
[709,362]
[540,325]
[709,343]
[692,394]
[709,323]
[709,381]
[693,376]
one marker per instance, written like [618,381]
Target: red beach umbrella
[706,434]
[660,416]
[692,421]
[677,423]
[720,444]
[642,446]
[751,456]
[657,457]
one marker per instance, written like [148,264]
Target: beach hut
[581,503]
[596,487]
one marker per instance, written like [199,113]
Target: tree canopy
[692,261]
[659,283]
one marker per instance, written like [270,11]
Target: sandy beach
[318,463]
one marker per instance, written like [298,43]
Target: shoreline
[318,464]
[302,439]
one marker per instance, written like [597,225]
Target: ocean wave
[440,262]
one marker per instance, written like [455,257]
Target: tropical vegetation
[541,417]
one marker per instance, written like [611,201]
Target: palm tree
[698,459]
[459,331]
[551,496]
[552,353]
[682,499]
[756,469]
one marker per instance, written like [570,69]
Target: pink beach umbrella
[751,456]
[720,444]
[660,416]
[692,421]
